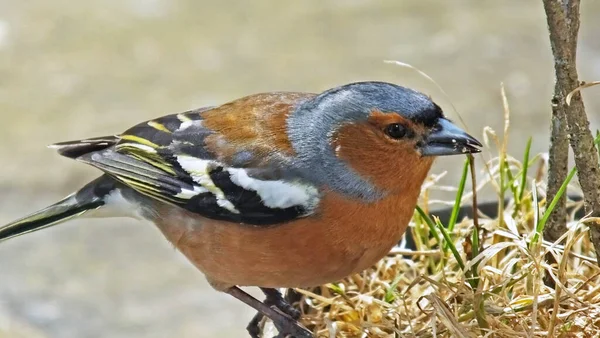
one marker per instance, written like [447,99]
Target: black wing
[167,159]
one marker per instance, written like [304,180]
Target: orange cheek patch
[388,165]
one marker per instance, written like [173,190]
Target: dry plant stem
[557,169]
[559,146]
[503,154]
[478,247]
[563,25]
[558,161]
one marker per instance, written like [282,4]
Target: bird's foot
[290,328]
[283,315]
[253,327]
[287,327]
[274,298]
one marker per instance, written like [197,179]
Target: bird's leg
[283,322]
[274,298]
[253,327]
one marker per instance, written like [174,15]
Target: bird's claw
[253,327]
[275,299]
[290,328]
[287,324]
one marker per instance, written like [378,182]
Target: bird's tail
[90,197]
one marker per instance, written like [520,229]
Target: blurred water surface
[74,69]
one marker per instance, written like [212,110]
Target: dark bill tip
[447,139]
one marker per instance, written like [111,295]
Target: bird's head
[368,139]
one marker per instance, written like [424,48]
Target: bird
[271,190]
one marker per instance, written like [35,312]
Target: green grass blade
[430,224]
[450,244]
[390,293]
[529,164]
[511,179]
[525,169]
[337,289]
[475,233]
[448,241]
[459,194]
[539,228]
[475,242]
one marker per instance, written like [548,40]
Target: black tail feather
[74,149]
[90,197]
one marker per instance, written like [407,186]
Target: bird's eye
[396,131]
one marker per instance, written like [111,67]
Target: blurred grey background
[74,69]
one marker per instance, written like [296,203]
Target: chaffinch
[271,190]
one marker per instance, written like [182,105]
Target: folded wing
[168,159]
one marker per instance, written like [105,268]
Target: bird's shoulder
[243,132]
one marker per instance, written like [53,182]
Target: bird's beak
[447,139]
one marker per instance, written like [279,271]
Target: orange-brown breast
[345,237]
